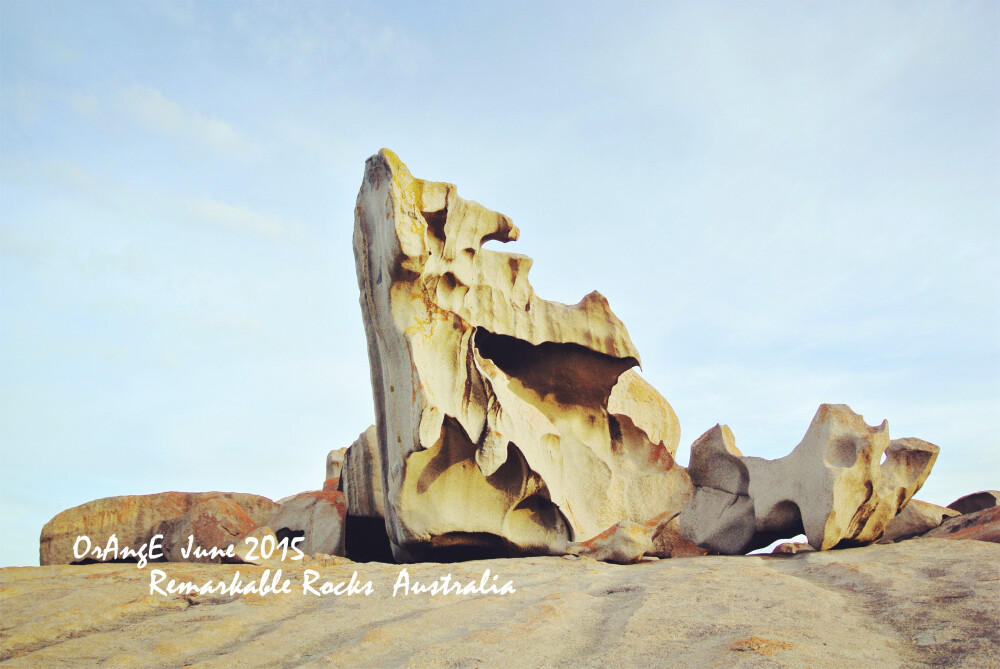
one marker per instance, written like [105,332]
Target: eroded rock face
[833,487]
[133,519]
[505,423]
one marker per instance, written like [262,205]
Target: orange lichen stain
[659,458]
[761,646]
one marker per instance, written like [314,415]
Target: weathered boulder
[505,423]
[833,487]
[335,462]
[979,526]
[916,518]
[133,519]
[317,516]
[361,477]
[977,501]
[668,541]
[262,542]
[624,542]
[215,522]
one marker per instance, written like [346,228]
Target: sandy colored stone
[505,422]
[916,604]
[979,526]
[335,462]
[977,501]
[318,516]
[216,522]
[833,487]
[916,518]
[623,543]
[133,519]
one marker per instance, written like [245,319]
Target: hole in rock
[571,373]
[843,452]
[365,540]
[784,521]
[461,547]
[288,533]
[435,222]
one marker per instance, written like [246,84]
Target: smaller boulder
[249,552]
[915,519]
[977,501]
[979,526]
[792,548]
[667,539]
[624,543]
[317,516]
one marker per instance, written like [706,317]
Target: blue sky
[786,203]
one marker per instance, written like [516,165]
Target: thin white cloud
[152,109]
[238,218]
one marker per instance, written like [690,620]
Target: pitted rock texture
[916,604]
[506,424]
[833,487]
[133,519]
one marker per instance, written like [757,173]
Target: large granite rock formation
[833,487]
[133,519]
[506,423]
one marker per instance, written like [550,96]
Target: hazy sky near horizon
[786,203]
